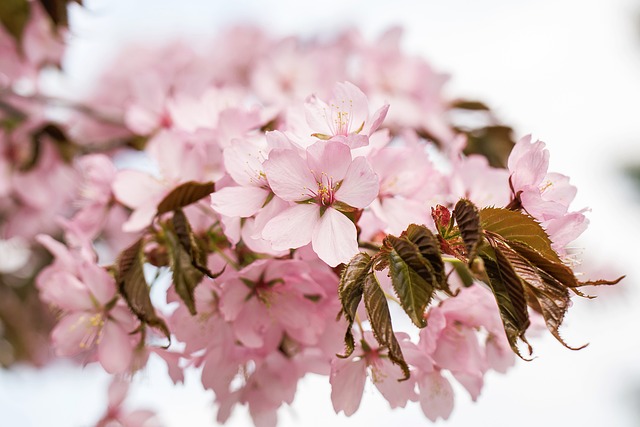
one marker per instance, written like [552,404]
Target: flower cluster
[277,188]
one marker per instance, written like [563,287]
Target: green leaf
[14,15]
[412,276]
[518,227]
[184,195]
[509,291]
[350,292]
[468,220]
[378,311]
[134,289]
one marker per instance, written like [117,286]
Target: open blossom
[544,195]
[345,117]
[324,185]
[349,375]
[408,184]
[95,321]
[272,295]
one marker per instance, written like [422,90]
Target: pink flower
[323,185]
[544,195]
[243,161]
[408,183]
[348,377]
[270,296]
[344,118]
[95,320]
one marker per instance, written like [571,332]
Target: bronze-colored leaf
[191,244]
[412,276]
[134,289]
[468,104]
[509,291]
[14,15]
[494,142]
[57,10]
[184,195]
[545,294]
[350,292]
[518,227]
[468,220]
[185,276]
[378,311]
[429,248]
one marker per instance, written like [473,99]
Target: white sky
[566,71]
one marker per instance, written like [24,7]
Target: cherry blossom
[324,185]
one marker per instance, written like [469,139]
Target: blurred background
[568,72]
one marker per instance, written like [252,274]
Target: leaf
[429,248]
[412,276]
[190,243]
[134,289]
[185,276]
[508,289]
[494,142]
[350,292]
[545,294]
[184,195]
[57,10]
[518,227]
[14,15]
[378,311]
[467,104]
[556,269]
[468,220]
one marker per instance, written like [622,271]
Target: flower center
[325,195]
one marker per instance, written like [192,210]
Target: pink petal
[348,97]
[400,212]
[473,382]
[73,334]
[252,324]
[289,176]
[329,158]
[99,282]
[334,238]
[385,378]
[292,228]
[360,184]
[353,140]
[135,189]
[65,291]
[319,116]
[117,392]
[239,201]
[114,349]
[436,396]
[140,218]
[243,161]
[232,299]
[140,418]
[141,120]
[59,251]
[347,384]
[528,163]
[377,119]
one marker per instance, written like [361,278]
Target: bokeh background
[566,71]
